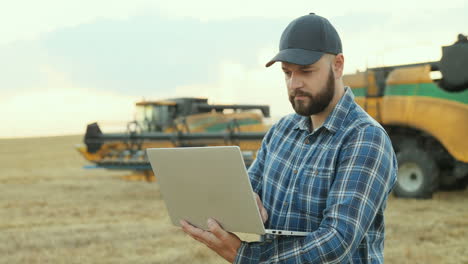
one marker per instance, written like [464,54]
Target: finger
[185,226]
[201,240]
[217,230]
[264,214]
[193,231]
[263,211]
[200,235]
[259,202]
[257,198]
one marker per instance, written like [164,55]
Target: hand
[263,211]
[217,239]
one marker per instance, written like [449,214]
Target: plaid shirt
[333,183]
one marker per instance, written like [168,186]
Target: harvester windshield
[155,117]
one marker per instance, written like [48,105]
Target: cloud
[61,108]
[107,58]
[138,56]
[68,78]
[241,84]
[27,20]
[147,54]
[210,10]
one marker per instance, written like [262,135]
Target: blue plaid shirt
[333,183]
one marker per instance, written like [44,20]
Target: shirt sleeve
[365,174]
[256,168]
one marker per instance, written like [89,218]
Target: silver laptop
[197,183]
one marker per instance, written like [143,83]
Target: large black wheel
[417,174]
[454,179]
[448,182]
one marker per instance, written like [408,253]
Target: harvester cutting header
[178,122]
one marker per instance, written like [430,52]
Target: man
[326,170]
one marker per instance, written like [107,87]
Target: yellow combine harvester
[179,122]
[424,108]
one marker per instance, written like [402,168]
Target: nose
[295,81]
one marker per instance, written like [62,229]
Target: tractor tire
[448,182]
[417,174]
[401,142]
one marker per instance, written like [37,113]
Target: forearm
[250,252]
[321,246]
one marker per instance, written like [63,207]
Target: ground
[54,211]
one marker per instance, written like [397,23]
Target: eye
[287,73]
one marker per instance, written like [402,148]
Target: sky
[65,64]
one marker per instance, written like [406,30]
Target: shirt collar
[335,118]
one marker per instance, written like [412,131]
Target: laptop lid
[197,183]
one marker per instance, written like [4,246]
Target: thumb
[263,211]
[264,214]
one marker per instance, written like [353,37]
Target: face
[310,88]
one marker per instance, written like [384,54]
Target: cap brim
[296,56]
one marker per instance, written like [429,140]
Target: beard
[315,104]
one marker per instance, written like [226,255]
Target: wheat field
[54,211]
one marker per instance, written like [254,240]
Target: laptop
[197,183]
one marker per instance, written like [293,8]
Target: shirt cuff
[248,253]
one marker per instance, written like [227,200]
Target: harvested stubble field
[53,211]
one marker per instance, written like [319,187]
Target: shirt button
[285,203]
[295,171]
[307,141]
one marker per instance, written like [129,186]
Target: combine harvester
[424,108]
[179,122]
[425,116]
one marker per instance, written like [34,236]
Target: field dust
[54,211]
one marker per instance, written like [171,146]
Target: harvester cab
[169,115]
[454,65]
[155,116]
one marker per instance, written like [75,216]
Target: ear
[338,65]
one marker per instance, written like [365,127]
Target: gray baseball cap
[306,39]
